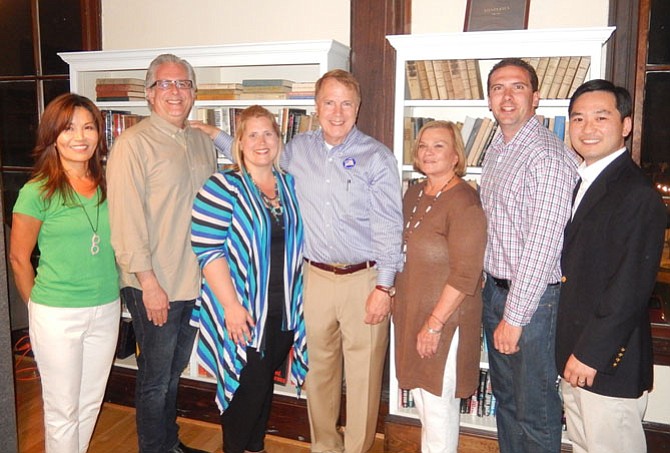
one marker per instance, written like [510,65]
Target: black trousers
[245,420]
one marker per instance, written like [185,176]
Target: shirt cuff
[385,277]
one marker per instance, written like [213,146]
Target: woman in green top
[73,298]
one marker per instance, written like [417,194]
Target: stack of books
[119,89]
[443,79]
[266,88]
[301,90]
[218,91]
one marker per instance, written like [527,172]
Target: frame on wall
[481,15]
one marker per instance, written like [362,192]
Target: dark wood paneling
[640,76]
[661,341]
[196,401]
[658,437]
[91,20]
[373,61]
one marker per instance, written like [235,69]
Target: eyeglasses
[167,84]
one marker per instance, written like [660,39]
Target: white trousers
[603,424]
[440,415]
[74,349]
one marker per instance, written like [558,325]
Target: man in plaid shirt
[527,181]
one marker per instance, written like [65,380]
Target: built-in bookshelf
[443,76]
[224,67]
[217,68]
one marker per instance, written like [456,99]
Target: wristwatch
[390,290]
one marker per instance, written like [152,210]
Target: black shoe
[181,448]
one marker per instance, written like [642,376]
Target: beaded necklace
[409,227]
[273,204]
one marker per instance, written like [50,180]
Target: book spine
[412,77]
[423,79]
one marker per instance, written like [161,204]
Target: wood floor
[115,431]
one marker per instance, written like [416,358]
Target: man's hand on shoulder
[211,131]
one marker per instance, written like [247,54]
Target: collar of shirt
[589,173]
[168,128]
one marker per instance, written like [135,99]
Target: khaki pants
[337,337]
[603,424]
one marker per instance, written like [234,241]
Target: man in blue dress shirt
[350,198]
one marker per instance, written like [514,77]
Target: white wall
[130,24]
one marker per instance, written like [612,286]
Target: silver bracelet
[433,331]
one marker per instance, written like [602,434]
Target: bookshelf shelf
[486,48]
[299,61]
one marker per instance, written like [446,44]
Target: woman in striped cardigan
[248,236]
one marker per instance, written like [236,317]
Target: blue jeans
[528,414]
[164,353]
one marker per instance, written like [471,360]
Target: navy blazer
[611,254]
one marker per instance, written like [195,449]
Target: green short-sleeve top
[68,274]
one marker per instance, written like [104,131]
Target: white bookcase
[299,61]
[486,48]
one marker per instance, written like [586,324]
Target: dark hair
[519,63]
[623,101]
[48,167]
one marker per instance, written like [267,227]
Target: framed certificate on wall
[483,15]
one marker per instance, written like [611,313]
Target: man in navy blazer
[611,254]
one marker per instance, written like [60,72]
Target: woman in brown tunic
[438,307]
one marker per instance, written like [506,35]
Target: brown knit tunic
[447,247]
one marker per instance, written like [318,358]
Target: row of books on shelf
[116,121]
[477,134]
[132,89]
[256,89]
[291,121]
[482,403]
[443,79]
[559,77]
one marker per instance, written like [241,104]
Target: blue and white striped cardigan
[230,221]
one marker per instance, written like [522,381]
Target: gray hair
[167,58]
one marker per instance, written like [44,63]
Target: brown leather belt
[341,270]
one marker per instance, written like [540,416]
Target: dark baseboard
[288,417]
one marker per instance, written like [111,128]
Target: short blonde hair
[253,111]
[459,147]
